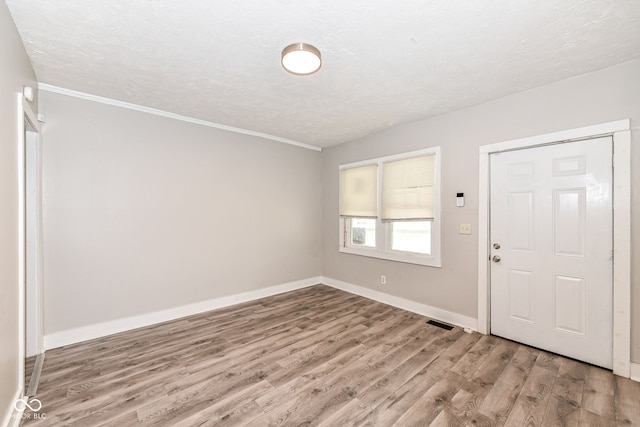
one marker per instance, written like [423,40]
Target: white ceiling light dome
[301,59]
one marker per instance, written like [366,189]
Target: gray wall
[15,73]
[607,95]
[144,213]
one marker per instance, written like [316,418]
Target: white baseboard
[97,330]
[635,371]
[405,304]
[72,336]
[13,417]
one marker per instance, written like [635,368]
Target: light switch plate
[465,228]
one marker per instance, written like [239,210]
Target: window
[390,207]
[362,232]
[411,236]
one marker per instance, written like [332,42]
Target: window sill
[394,256]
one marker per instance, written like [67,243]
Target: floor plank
[599,390]
[320,356]
[627,401]
[532,402]
[500,399]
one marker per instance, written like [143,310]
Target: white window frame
[383,229]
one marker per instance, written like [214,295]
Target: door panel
[551,216]
[568,221]
[521,286]
[569,304]
[521,221]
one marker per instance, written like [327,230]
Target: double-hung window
[390,207]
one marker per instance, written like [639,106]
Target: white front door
[551,248]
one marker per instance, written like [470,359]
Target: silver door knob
[496,258]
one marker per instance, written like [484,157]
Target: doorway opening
[31,330]
[621,135]
[551,245]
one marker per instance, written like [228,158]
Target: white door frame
[27,121]
[621,133]
[33,227]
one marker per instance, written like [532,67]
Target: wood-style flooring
[320,356]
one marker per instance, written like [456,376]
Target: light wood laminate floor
[320,356]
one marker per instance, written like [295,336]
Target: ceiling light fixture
[301,59]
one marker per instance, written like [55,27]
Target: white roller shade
[407,189]
[359,192]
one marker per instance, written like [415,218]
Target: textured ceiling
[384,62]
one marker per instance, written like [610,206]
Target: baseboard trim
[13,416]
[635,371]
[85,333]
[97,330]
[405,304]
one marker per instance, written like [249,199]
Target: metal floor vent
[440,325]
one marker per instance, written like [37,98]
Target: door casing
[34,323]
[621,133]
[27,122]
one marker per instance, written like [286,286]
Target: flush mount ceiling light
[301,59]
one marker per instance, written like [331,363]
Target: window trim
[383,229]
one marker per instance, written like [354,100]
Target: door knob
[496,258]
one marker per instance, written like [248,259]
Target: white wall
[603,96]
[15,72]
[144,213]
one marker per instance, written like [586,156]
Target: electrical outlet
[465,228]
[383,280]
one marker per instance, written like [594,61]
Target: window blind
[359,192]
[407,189]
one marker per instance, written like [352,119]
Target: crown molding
[162,113]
